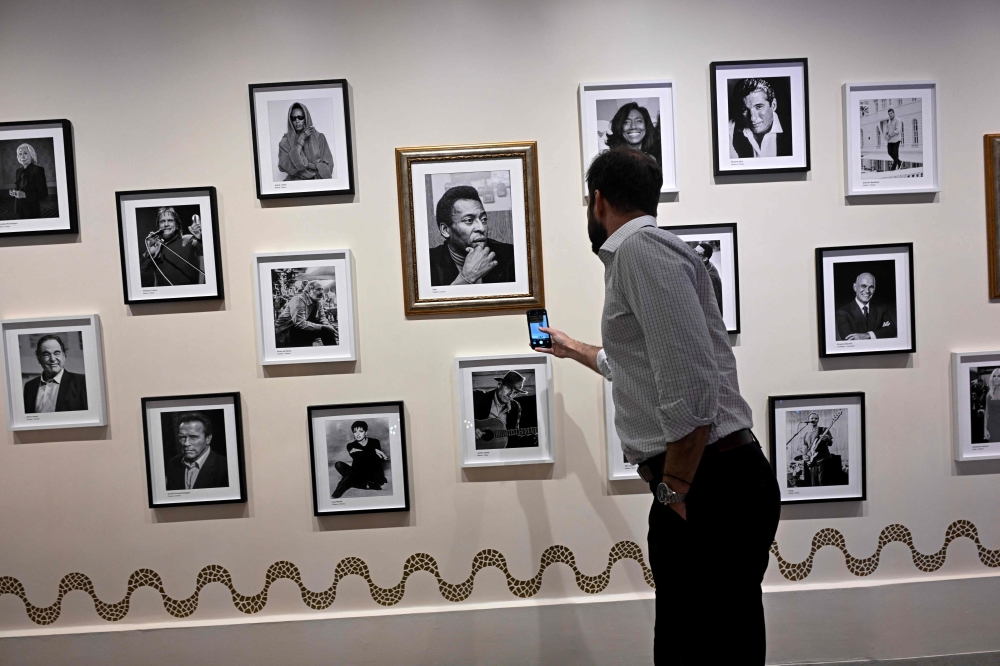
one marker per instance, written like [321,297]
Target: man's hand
[859,336]
[479,261]
[195,227]
[153,247]
[681,464]
[18,194]
[564,346]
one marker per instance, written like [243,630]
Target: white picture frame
[724,258]
[334,270]
[619,469]
[490,371]
[600,103]
[868,165]
[82,347]
[970,405]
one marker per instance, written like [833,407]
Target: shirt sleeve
[603,366]
[660,286]
[300,314]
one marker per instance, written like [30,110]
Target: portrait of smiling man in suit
[56,389]
[863,318]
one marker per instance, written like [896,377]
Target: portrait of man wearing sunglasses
[303,152]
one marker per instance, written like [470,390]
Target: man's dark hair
[707,248]
[447,203]
[359,424]
[627,179]
[195,417]
[46,338]
[746,87]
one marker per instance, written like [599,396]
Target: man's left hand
[195,227]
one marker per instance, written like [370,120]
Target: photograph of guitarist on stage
[504,409]
[816,443]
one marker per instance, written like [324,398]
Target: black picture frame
[69,166]
[241,460]
[772,441]
[254,88]
[359,406]
[179,192]
[821,310]
[680,229]
[713,74]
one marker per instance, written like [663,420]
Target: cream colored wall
[157,93]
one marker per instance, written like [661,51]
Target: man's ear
[208,440]
[600,205]
[445,230]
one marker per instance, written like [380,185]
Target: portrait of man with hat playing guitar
[497,413]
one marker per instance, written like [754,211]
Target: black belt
[653,468]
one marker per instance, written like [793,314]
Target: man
[893,137]
[172,258]
[798,471]
[303,152]
[817,441]
[467,255]
[366,470]
[680,417]
[197,465]
[704,251]
[501,404]
[301,323]
[762,134]
[860,319]
[57,389]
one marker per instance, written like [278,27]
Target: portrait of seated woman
[633,127]
[30,188]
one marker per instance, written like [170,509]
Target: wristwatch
[664,495]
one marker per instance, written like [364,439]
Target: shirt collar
[200,460]
[57,379]
[628,229]
[861,306]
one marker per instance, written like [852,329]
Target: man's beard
[598,235]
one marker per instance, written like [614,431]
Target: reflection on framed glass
[169,244]
[358,454]
[760,116]
[864,297]
[717,246]
[976,404]
[619,468]
[505,409]
[638,114]
[991,146]
[194,449]
[469,228]
[38,176]
[818,446]
[302,138]
[54,372]
[305,306]
[891,131]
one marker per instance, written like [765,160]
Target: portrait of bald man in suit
[862,318]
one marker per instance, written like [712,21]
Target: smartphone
[537,319]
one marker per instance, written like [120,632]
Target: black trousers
[894,153]
[708,569]
[301,338]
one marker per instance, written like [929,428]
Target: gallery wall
[157,93]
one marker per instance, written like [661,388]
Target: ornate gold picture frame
[481,200]
[991,148]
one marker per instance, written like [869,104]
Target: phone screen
[538,319]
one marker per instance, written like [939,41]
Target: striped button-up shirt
[666,348]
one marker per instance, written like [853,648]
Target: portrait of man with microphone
[171,257]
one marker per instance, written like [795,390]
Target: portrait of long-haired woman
[633,127]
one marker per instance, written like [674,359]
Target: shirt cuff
[603,366]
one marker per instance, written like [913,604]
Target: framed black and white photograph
[54,373]
[976,405]
[818,446]
[358,454]
[760,116]
[469,227]
[891,138]
[716,245]
[37,178]
[619,468]
[864,296]
[169,244]
[194,449]
[637,114]
[991,150]
[302,138]
[505,409]
[305,306]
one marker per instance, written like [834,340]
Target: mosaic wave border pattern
[389,596]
